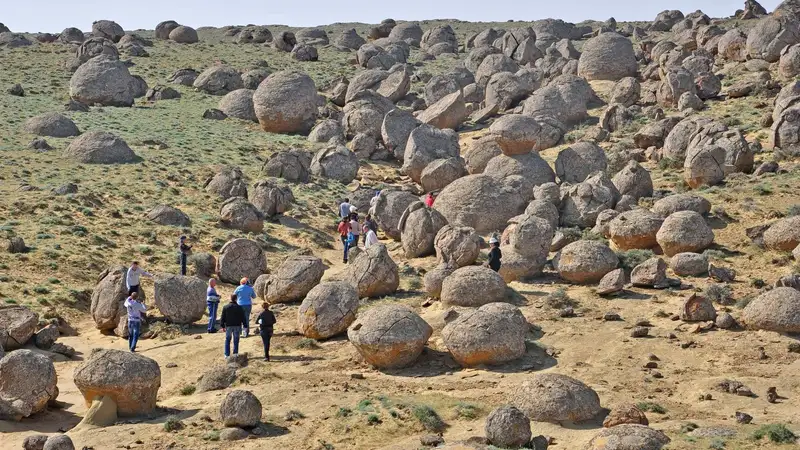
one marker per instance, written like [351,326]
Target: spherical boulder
[374,272]
[240,409]
[530,168]
[51,124]
[270,198]
[28,382]
[531,239]
[508,427]
[783,235]
[490,335]
[434,279]
[130,379]
[389,336]
[517,134]
[107,29]
[103,80]
[684,231]
[609,56]
[100,147]
[17,326]
[241,258]
[635,229]
[418,228]
[770,35]
[585,261]
[628,437]
[218,80]
[71,35]
[776,310]
[327,310]
[460,246]
[286,102]
[108,297]
[59,442]
[239,214]
[184,35]
[179,298]
[291,165]
[634,180]
[239,104]
[581,204]
[551,397]
[576,162]
[689,264]
[481,202]
[294,278]
[473,286]
[441,172]
[227,182]
[681,202]
[425,145]
[163,29]
[389,208]
[336,162]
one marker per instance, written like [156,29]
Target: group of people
[234,320]
[351,229]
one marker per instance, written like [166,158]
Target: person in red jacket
[429,199]
[344,230]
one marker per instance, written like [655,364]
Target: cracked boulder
[108,297]
[460,246]
[17,325]
[490,335]
[294,278]
[389,336]
[552,397]
[240,258]
[327,310]
[180,299]
[473,286]
[374,273]
[418,226]
[27,384]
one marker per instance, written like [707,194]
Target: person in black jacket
[266,321]
[231,322]
[494,255]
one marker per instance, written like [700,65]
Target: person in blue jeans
[245,295]
[212,300]
[231,321]
[135,310]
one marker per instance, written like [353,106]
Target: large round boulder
[508,427]
[684,231]
[291,165]
[227,182]
[425,145]
[270,198]
[164,28]
[130,379]
[531,238]
[473,286]
[609,56]
[374,273]
[517,134]
[389,208]
[585,261]
[418,228]
[460,246]
[239,214]
[328,309]
[294,278]
[635,229]
[100,147]
[480,152]
[286,102]
[582,203]
[681,202]
[481,202]
[336,162]
[108,296]
[530,169]
[634,180]
[492,334]
[239,104]
[628,437]
[552,397]
[389,336]
[441,172]
[184,35]
[770,35]
[434,278]
[576,162]
[219,80]
[241,258]
[783,235]
[240,409]
[17,325]
[107,29]
[776,310]
[103,80]
[27,384]
[180,299]
[71,35]
[169,216]
[51,124]
[688,264]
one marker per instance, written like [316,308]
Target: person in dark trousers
[266,321]
[344,230]
[495,255]
[184,248]
[370,223]
[133,275]
[231,322]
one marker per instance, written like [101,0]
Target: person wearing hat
[244,297]
[495,255]
[212,300]
[184,249]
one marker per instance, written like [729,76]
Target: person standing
[184,249]
[373,202]
[369,223]
[132,277]
[355,228]
[370,238]
[244,297]
[212,300]
[344,209]
[344,230]
[429,199]
[135,310]
[231,321]
[495,255]
[266,321]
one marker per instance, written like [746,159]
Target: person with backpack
[344,231]
[231,321]
[266,322]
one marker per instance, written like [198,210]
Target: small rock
[725,321]
[357,376]
[431,440]
[656,374]
[171,365]
[611,316]
[743,418]
[651,365]
[233,434]
[16,90]
[794,347]
[39,144]
[214,114]
[772,395]
[721,274]
[640,332]
[734,387]
[567,312]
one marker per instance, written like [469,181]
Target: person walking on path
[212,300]
[132,277]
[344,208]
[370,238]
[369,223]
[231,321]
[495,255]
[355,228]
[344,230]
[244,297]
[429,199]
[184,249]
[135,310]
[266,321]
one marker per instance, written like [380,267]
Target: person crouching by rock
[231,321]
[266,321]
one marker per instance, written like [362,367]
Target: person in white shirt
[344,208]
[373,202]
[135,310]
[132,278]
[355,228]
[370,238]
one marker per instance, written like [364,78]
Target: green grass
[718,293]
[428,418]
[307,344]
[559,298]
[212,436]
[651,407]
[172,423]
[373,419]
[467,410]
[294,414]
[777,433]
[189,389]
[632,258]
[344,412]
